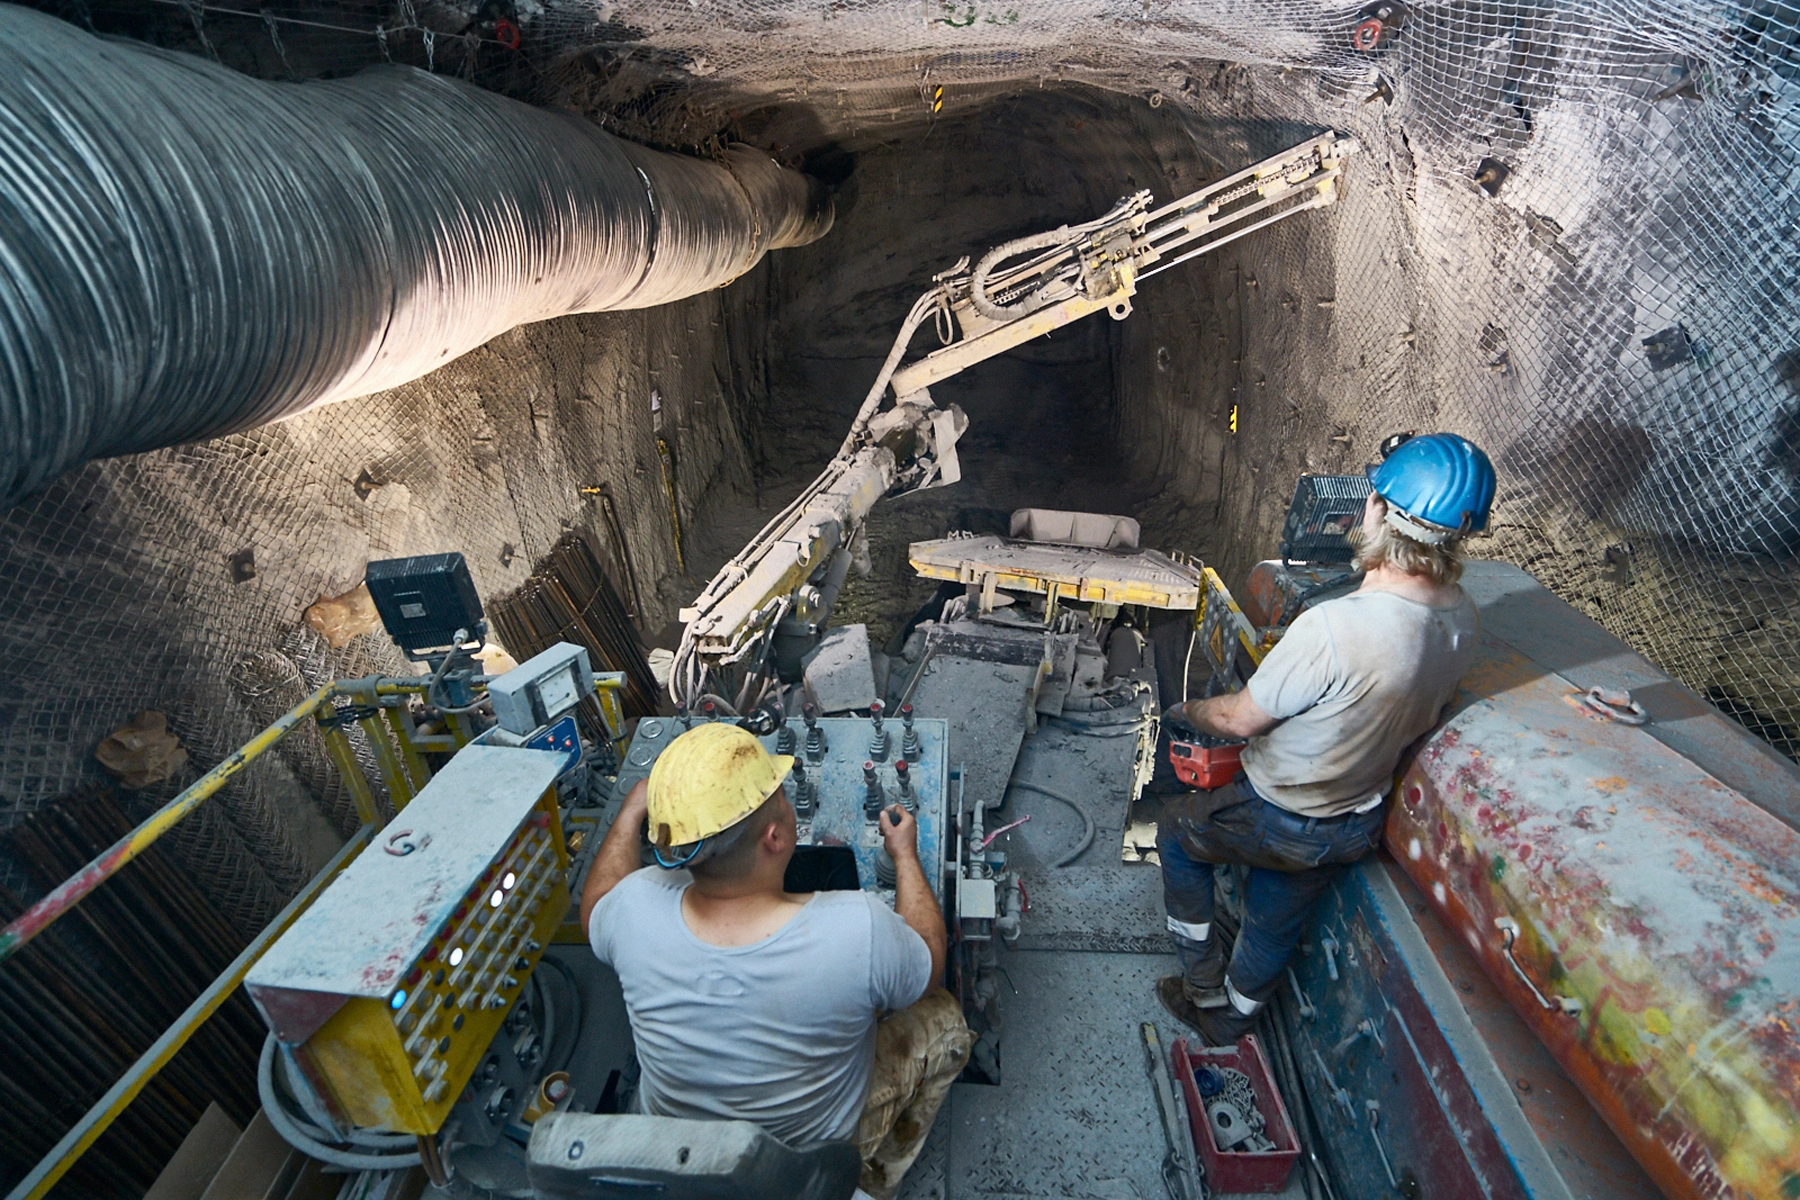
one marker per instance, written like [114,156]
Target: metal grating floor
[1074,1117]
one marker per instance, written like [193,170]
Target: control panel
[390,987]
[846,770]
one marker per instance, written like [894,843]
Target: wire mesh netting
[1570,236]
[176,581]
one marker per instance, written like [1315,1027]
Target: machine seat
[586,1156]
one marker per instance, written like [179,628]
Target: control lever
[873,797]
[878,740]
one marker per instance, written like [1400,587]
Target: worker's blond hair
[1441,564]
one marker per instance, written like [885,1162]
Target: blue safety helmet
[1437,487]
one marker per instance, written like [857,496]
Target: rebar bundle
[569,598]
[79,1005]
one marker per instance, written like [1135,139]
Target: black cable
[437,678]
[1087,822]
[576,1004]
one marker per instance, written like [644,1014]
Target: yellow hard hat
[709,779]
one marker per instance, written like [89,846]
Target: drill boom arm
[1018,291]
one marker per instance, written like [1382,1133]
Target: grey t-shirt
[780,1032]
[1354,682]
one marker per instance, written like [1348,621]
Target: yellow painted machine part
[359,1052]
[1090,590]
[1214,592]
[337,745]
[398,786]
[418,774]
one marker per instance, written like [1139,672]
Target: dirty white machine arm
[789,574]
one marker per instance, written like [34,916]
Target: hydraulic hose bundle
[187,252]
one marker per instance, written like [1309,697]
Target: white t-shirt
[1354,682]
[780,1032]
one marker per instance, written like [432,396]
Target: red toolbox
[1237,1170]
[1207,763]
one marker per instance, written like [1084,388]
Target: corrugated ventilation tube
[186,252]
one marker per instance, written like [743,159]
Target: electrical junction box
[424,600]
[390,987]
[976,899]
[542,688]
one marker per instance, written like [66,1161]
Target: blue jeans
[1292,860]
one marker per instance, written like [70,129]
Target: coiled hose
[1087,822]
[187,252]
[383,1152]
[1060,245]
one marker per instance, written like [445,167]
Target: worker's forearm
[618,857]
[1211,717]
[919,909]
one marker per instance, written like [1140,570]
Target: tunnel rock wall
[1656,496]
[176,580]
[1646,156]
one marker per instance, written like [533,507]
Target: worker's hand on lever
[899,833]
[912,895]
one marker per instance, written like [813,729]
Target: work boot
[1203,964]
[1222,1025]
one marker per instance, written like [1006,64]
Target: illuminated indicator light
[456,956]
[495,899]
[399,999]
[509,880]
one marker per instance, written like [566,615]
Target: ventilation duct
[187,252]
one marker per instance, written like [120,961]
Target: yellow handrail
[39,916]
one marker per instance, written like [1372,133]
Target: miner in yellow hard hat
[702,789]
[752,1003]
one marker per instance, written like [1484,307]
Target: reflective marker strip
[1193,932]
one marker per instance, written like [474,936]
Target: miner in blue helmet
[1327,715]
